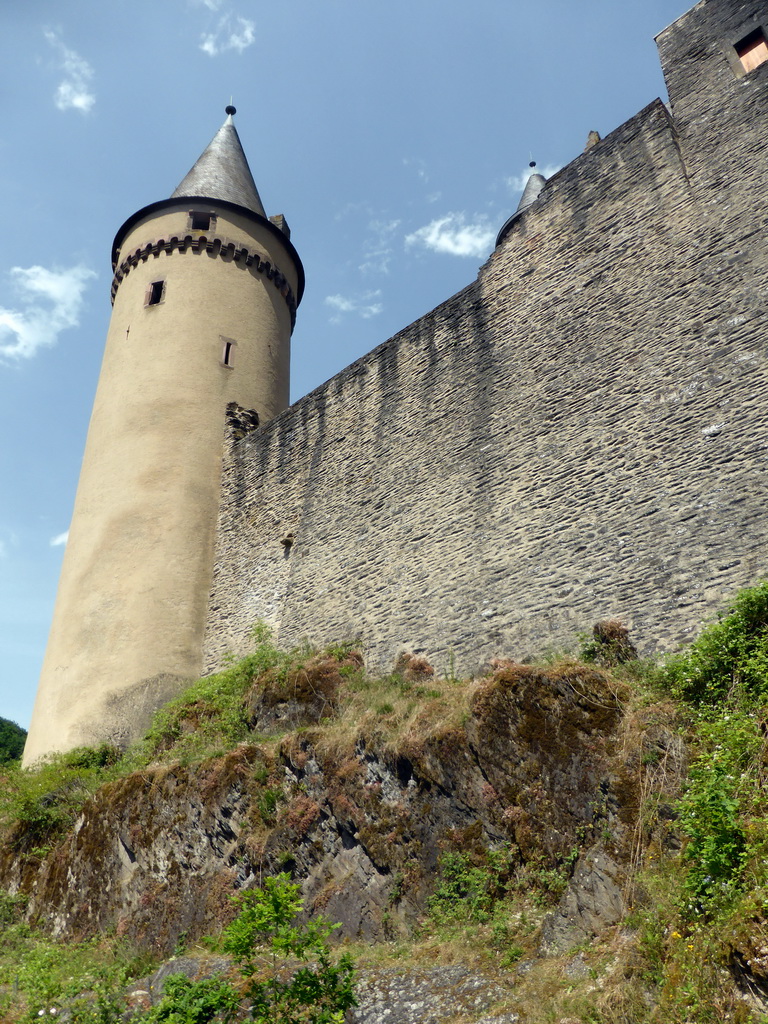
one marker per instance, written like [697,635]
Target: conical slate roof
[222,172]
[533,186]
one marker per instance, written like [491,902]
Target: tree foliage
[12,739]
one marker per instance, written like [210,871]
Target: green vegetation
[260,939]
[38,807]
[88,979]
[38,976]
[695,939]
[476,890]
[464,892]
[12,739]
[708,911]
[722,682]
[194,1002]
[729,660]
[212,714]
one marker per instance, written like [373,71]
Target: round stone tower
[205,291]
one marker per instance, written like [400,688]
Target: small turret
[533,187]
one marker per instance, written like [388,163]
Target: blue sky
[394,137]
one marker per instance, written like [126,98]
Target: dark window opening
[155,293]
[752,50]
[200,221]
[228,353]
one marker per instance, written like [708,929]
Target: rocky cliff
[536,762]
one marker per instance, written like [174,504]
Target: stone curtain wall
[579,434]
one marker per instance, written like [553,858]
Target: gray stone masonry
[579,434]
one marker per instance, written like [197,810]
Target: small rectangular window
[155,293]
[199,221]
[228,352]
[752,50]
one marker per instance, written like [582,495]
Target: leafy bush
[195,1002]
[463,892]
[467,892]
[721,787]
[263,934]
[731,654]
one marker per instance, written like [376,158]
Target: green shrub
[465,891]
[195,1002]
[730,654]
[722,784]
[263,934]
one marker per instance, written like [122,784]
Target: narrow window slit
[228,352]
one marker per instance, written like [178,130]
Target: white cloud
[231,34]
[3,549]
[377,253]
[60,539]
[363,306]
[518,181]
[74,91]
[51,301]
[454,235]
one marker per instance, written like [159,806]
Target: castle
[578,434]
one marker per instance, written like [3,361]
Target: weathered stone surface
[592,903]
[577,435]
[427,996]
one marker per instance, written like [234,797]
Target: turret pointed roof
[533,187]
[222,172]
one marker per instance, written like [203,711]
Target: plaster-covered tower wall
[205,292]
